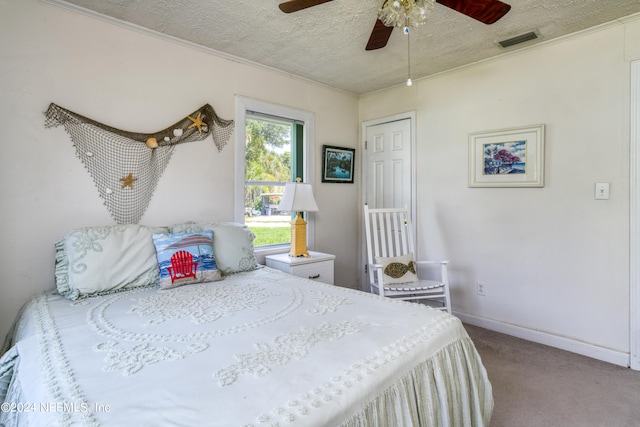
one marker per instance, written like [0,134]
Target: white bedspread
[257,349]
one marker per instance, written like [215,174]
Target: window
[270,158]
[271,149]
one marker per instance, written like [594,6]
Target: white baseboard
[590,350]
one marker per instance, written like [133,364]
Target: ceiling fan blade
[296,5]
[379,36]
[485,11]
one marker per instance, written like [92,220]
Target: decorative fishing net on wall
[126,166]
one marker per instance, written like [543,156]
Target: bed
[250,346]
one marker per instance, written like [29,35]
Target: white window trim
[244,104]
[634,250]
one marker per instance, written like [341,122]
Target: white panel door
[388,165]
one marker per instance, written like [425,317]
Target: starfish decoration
[197,122]
[128,181]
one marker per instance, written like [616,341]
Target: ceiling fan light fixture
[405,13]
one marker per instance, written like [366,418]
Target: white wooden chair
[392,267]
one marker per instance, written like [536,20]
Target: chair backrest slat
[399,230]
[388,233]
[388,228]
[375,229]
[405,232]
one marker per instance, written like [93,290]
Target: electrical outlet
[480,288]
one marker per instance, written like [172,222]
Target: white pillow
[400,269]
[232,244]
[101,260]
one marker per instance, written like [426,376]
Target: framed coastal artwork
[337,164]
[507,157]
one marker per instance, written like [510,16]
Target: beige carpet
[536,385]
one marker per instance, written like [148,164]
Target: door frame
[634,208]
[411,115]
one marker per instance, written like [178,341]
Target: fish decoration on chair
[397,269]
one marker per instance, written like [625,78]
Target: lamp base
[298,237]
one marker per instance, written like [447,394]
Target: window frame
[245,106]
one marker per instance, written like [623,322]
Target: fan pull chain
[409,82]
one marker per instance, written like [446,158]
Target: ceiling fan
[296,5]
[485,11]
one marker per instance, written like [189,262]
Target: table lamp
[298,197]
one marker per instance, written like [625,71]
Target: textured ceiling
[326,43]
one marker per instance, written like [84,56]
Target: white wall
[555,261]
[135,82]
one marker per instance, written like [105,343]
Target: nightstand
[317,266]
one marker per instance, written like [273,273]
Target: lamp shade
[298,197]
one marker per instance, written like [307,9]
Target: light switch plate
[602,191]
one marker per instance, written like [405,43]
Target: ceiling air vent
[531,35]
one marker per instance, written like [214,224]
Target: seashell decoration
[177,132]
[88,154]
[152,143]
[108,191]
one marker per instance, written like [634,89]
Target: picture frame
[511,157]
[338,164]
